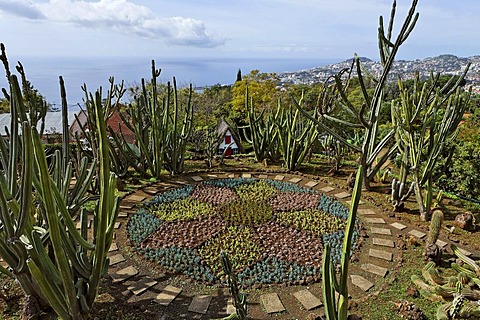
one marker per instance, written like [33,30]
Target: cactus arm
[83,180]
[26,181]
[72,229]
[55,296]
[466,259]
[54,225]
[324,127]
[105,205]
[5,217]
[327,286]
[41,258]
[65,131]
[347,246]
[6,272]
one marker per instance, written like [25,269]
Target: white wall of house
[224,143]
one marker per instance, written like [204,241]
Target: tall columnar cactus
[424,121]
[78,264]
[179,130]
[52,261]
[261,132]
[367,117]
[296,136]
[161,126]
[336,309]
[18,213]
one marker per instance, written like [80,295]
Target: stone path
[380,257]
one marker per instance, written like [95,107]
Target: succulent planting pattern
[274,232]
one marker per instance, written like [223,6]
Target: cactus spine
[337,310]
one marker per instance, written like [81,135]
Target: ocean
[43,73]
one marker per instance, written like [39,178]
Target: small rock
[408,310]
[465,221]
[412,241]
[412,291]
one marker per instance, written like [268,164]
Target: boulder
[465,221]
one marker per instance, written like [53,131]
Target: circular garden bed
[273,231]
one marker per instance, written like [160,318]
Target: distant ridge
[445,64]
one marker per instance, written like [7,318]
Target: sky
[323,29]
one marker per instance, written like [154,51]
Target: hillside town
[445,64]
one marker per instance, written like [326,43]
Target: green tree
[211,104]
[261,88]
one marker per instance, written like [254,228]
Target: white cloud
[120,15]
[21,9]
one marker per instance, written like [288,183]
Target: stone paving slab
[366,212]
[327,189]
[126,206]
[181,181]
[418,234]
[246,175]
[142,285]
[232,175]
[123,274]
[117,258]
[123,215]
[361,282]
[441,243]
[135,198]
[380,254]
[148,295]
[383,231]
[167,295]
[307,299]
[372,268]
[271,302]
[295,180]
[262,176]
[200,304]
[311,184]
[375,220]
[117,225]
[279,177]
[212,176]
[342,195]
[113,247]
[384,242]
[398,226]
[150,190]
[197,178]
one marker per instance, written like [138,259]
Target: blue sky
[321,29]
